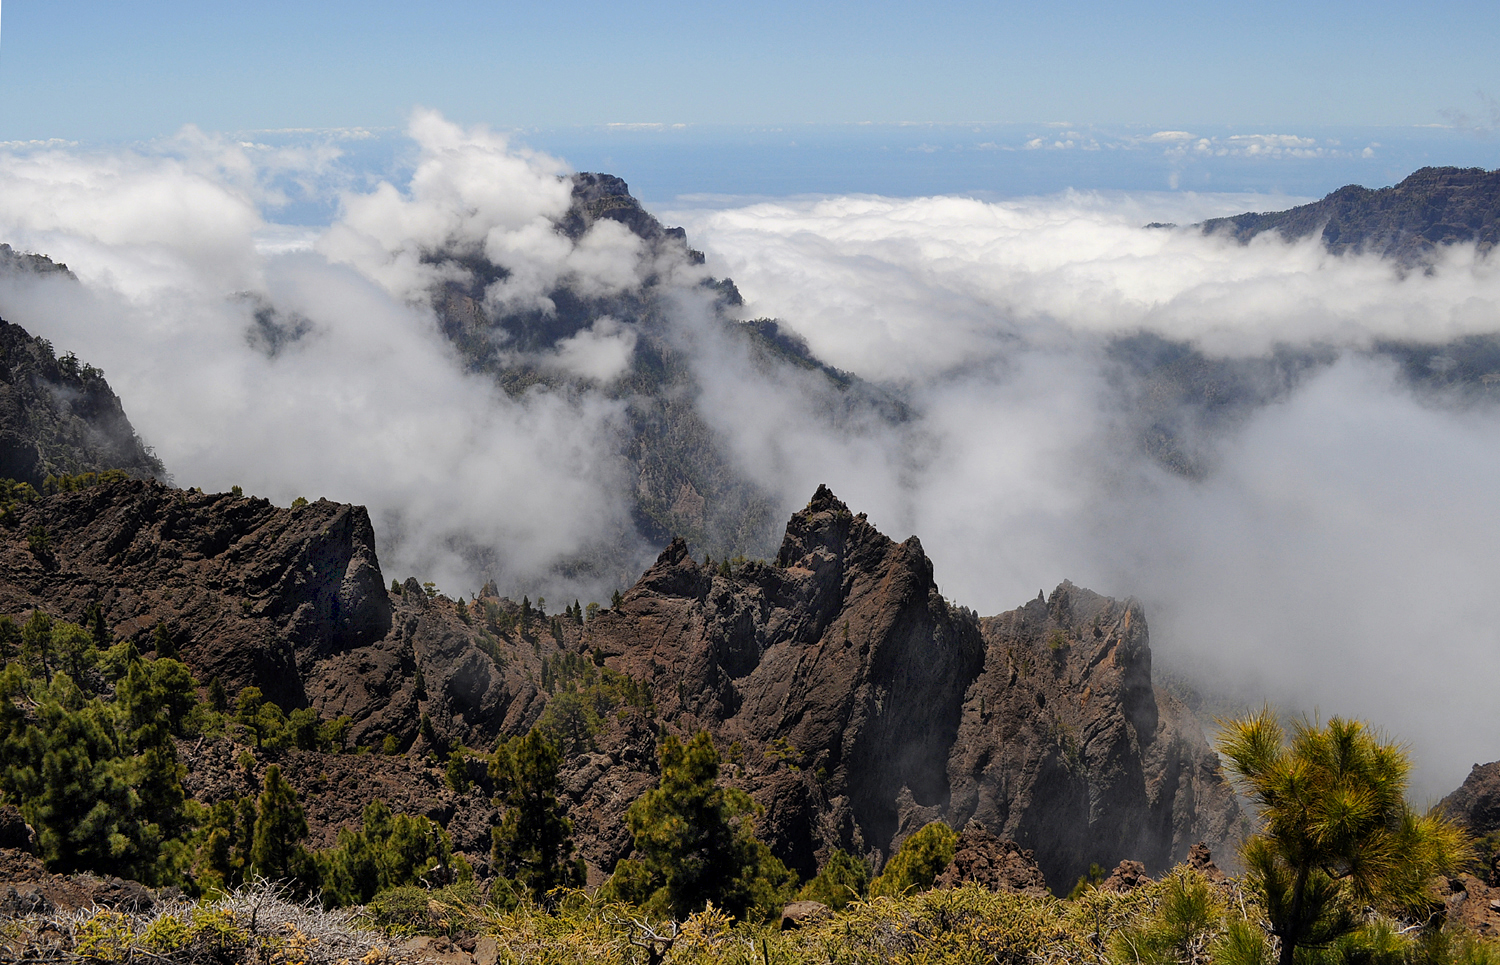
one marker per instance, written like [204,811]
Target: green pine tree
[533,844]
[1336,832]
[697,841]
[276,852]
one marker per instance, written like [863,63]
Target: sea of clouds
[1338,555]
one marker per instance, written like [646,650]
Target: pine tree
[36,643]
[93,618]
[1336,832]
[698,839]
[533,843]
[918,862]
[280,826]
[162,642]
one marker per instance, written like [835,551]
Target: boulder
[800,913]
[1127,876]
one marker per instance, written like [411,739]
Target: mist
[1334,553]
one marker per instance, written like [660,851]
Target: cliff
[58,416]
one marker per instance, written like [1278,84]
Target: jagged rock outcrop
[840,670]
[866,705]
[57,415]
[1068,748]
[250,593]
[1127,877]
[1476,802]
[992,862]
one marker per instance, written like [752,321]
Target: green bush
[842,879]
[918,862]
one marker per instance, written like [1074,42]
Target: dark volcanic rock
[848,696]
[15,833]
[840,670]
[863,705]
[997,864]
[251,593]
[1432,207]
[26,887]
[57,415]
[1128,876]
[1067,748]
[1476,803]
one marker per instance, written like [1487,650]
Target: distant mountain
[1432,207]
[686,482]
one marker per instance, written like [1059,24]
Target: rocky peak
[896,708]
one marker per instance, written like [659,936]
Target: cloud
[369,404]
[1335,552]
[601,352]
[1339,533]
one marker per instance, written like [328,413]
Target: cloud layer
[1337,553]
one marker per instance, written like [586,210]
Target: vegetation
[1337,835]
[533,844]
[842,879]
[388,851]
[918,862]
[697,842]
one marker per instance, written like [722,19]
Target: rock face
[1067,747]
[840,669]
[1127,876]
[868,705]
[58,416]
[1476,803]
[849,698]
[250,593]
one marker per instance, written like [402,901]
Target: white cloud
[1338,533]
[601,352]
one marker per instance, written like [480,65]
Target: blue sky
[110,70]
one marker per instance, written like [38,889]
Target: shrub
[921,858]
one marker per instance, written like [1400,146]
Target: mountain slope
[59,417]
[1433,206]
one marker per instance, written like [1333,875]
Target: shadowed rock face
[899,708]
[849,698]
[252,594]
[844,652]
[58,416]
[1067,747]
[1430,208]
[1476,803]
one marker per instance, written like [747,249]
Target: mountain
[685,482]
[853,701]
[1432,207]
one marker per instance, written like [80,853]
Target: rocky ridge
[57,415]
[851,699]
[1408,222]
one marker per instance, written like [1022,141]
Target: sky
[947,199]
[90,69]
